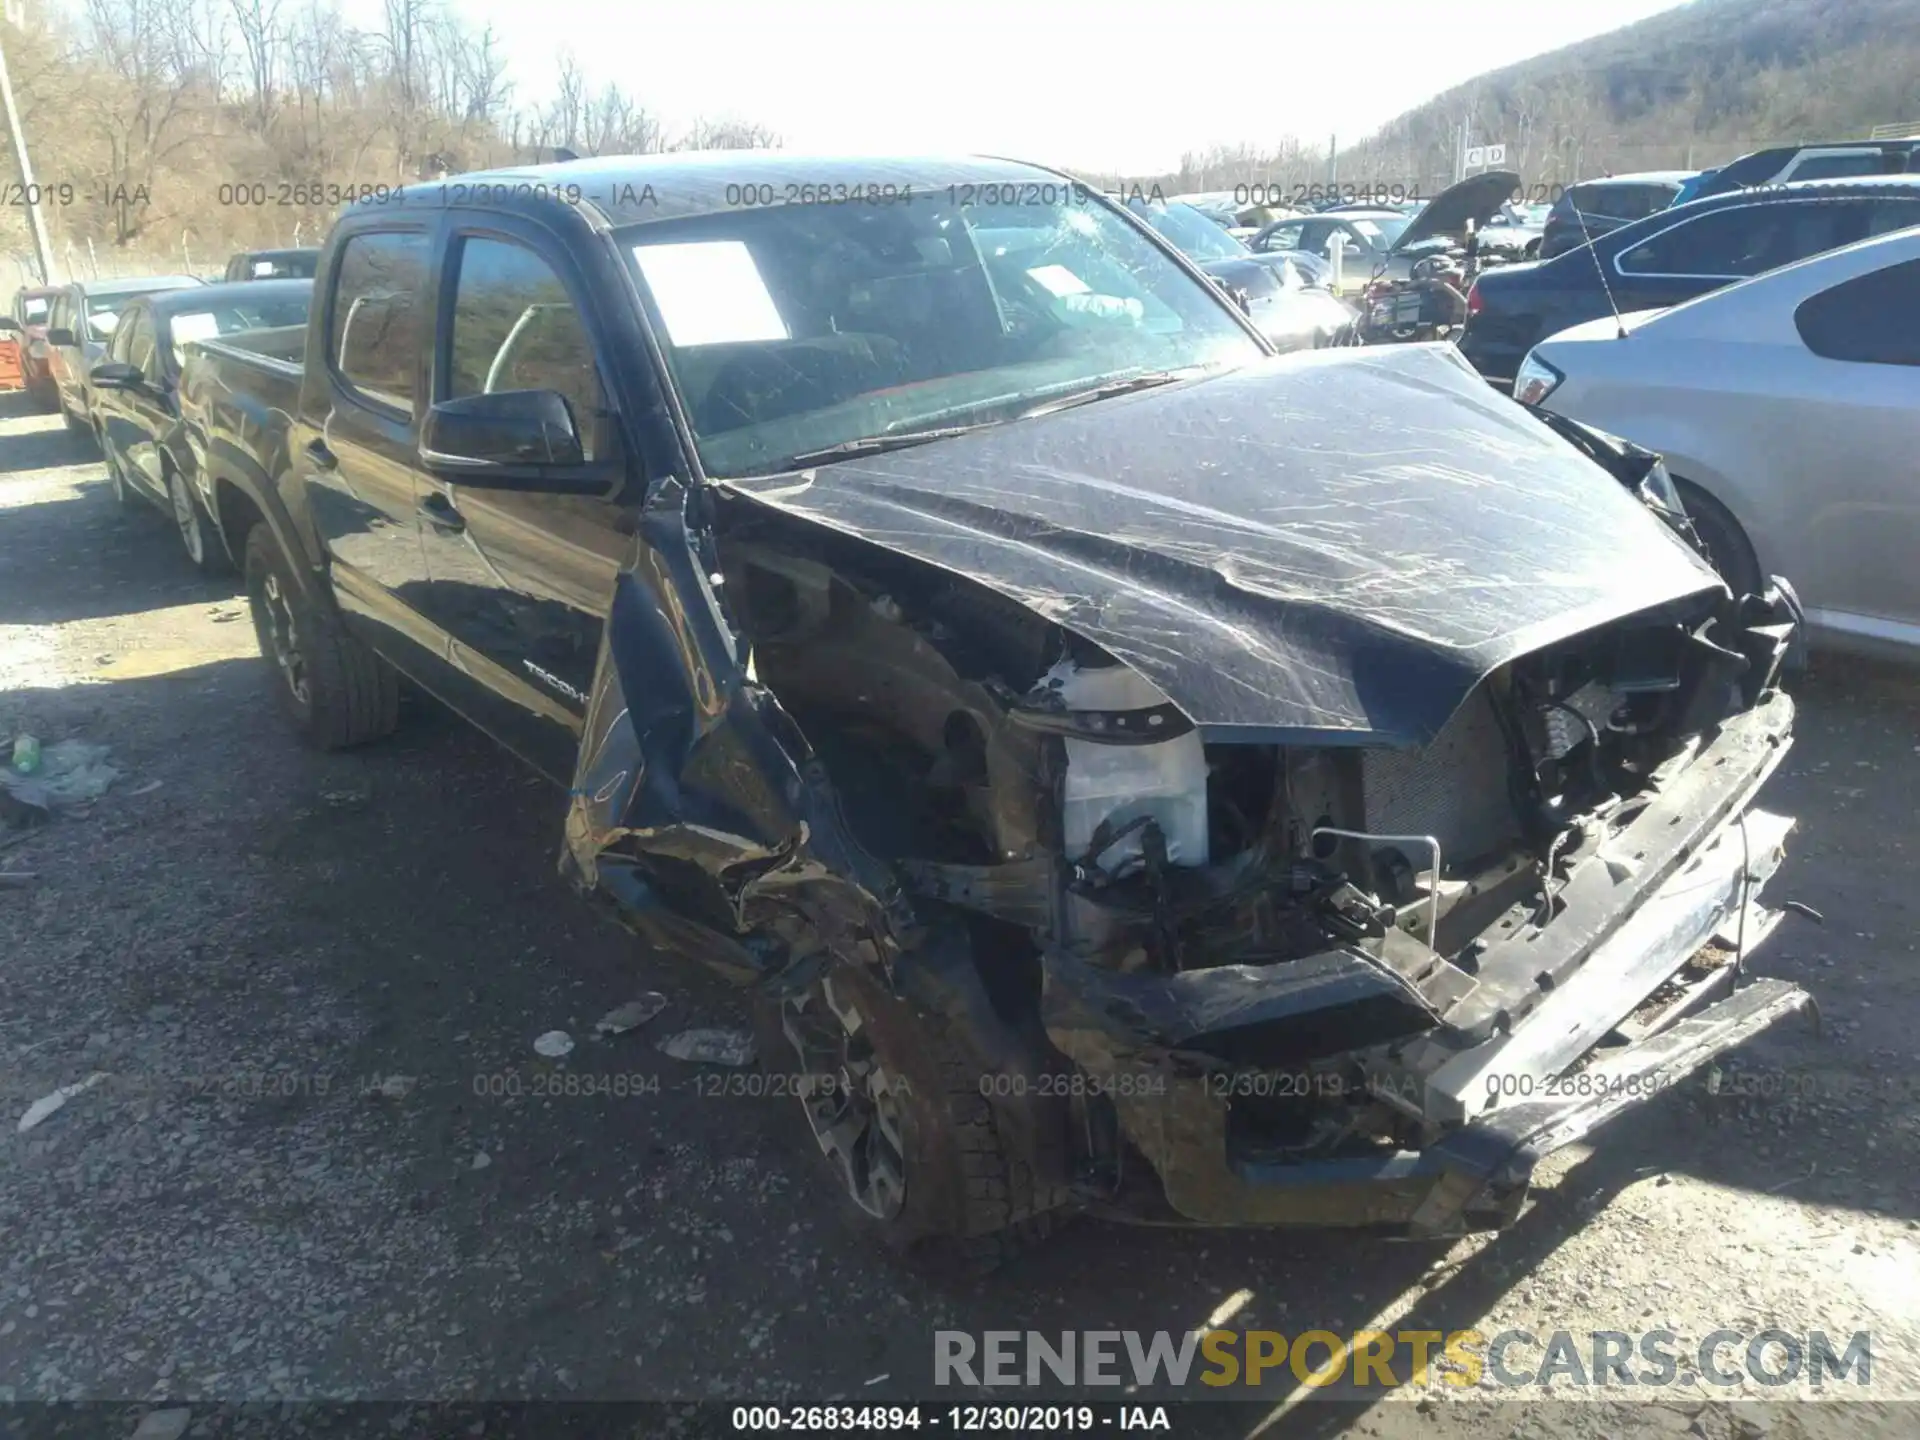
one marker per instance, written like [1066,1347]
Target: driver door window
[1728,242]
[1283,237]
[117,346]
[516,328]
[139,351]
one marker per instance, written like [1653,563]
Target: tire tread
[1004,1212]
[356,694]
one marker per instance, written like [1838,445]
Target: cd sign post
[1484,157]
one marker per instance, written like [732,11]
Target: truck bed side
[238,396]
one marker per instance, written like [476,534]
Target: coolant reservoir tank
[1166,780]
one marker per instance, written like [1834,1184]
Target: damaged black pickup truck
[1135,772]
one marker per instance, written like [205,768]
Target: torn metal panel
[1330,548]
[701,785]
[1183,1132]
[1320,1005]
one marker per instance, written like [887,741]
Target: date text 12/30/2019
[762,194]
[959,1419]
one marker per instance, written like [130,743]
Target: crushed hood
[1477,198]
[1329,547]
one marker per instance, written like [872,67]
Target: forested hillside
[1690,87]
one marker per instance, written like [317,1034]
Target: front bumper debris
[1493,1080]
[1486,1166]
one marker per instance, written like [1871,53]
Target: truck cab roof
[631,189]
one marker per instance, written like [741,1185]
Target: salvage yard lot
[243,936]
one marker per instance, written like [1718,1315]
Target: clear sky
[1104,85]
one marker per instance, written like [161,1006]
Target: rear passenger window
[1646,200]
[1745,240]
[1868,319]
[1622,202]
[515,328]
[374,334]
[1840,167]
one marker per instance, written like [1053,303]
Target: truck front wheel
[338,692]
[895,1105]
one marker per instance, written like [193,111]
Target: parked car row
[1593,208]
[152,451]
[64,330]
[1673,255]
[77,322]
[1286,295]
[960,626]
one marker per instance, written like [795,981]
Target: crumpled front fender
[697,804]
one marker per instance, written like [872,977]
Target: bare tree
[141,107]
[405,39]
[263,50]
[262,54]
[728,134]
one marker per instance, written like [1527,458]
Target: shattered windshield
[793,329]
[1189,231]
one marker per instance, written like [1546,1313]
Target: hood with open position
[1478,198]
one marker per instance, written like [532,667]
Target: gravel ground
[244,938]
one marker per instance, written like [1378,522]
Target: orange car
[26,325]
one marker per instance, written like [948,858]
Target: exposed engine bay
[1431,302]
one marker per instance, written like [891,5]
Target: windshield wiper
[881,444]
[900,440]
[1126,384]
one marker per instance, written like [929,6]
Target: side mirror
[514,429]
[61,336]
[115,375]
[9,325]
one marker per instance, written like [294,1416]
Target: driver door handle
[438,512]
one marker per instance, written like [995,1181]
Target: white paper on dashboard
[710,293]
[201,326]
[1060,280]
